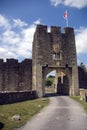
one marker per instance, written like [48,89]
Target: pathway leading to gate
[63,113]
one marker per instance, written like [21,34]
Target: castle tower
[54,51]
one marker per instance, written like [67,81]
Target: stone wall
[12,97]
[15,76]
[82,78]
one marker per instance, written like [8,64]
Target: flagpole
[66,17]
[67,22]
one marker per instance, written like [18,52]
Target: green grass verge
[83,103]
[25,109]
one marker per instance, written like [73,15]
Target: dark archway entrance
[63,85]
[62,82]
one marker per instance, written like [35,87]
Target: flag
[65,15]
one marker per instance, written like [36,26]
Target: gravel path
[63,113]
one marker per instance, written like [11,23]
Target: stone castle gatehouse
[52,50]
[55,51]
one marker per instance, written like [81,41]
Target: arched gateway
[55,51]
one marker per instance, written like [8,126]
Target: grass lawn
[25,109]
[49,90]
[83,103]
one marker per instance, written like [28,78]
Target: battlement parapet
[54,29]
[11,61]
[15,61]
[41,28]
[68,30]
[27,61]
[1,61]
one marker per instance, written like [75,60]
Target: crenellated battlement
[54,29]
[1,61]
[69,30]
[41,28]
[27,61]
[12,61]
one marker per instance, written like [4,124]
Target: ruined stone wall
[15,76]
[82,78]
[13,97]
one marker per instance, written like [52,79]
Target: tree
[51,76]
[82,66]
[48,83]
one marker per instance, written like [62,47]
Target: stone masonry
[54,51]
[15,76]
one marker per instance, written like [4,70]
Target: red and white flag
[65,15]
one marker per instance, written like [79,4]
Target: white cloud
[76,3]
[37,21]
[81,40]
[4,22]
[2,50]
[19,23]
[56,2]
[25,46]
[16,41]
[72,3]
[10,37]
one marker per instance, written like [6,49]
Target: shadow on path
[53,95]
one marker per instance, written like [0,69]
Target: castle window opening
[56,56]
[66,65]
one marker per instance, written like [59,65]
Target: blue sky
[18,19]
